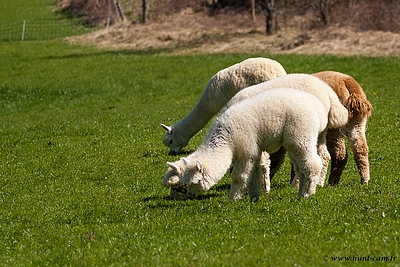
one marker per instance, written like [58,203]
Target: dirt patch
[195,33]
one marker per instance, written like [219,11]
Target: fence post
[108,22]
[23,31]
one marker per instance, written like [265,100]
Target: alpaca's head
[172,178]
[195,178]
[173,140]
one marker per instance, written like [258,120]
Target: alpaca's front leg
[358,142]
[270,164]
[337,149]
[240,174]
[255,181]
[298,178]
[294,177]
[265,168]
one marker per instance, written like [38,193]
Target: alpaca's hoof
[301,196]
[266,188]
[295,183]
[236,196]
[254,199]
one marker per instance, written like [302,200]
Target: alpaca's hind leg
[323,153]
[307,165]
[358,142]
[337,149]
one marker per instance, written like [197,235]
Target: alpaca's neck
[209,104]
[216,160]
[193,122]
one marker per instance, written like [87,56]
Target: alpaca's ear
[166,128]
[172,165]
[199,167]
[185,161]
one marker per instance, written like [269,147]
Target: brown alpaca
[352,96]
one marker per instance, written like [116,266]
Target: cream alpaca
[220,89]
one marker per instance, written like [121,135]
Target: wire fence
[43,29]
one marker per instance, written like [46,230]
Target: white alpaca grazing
[337,117]
[279,117]
[220,89]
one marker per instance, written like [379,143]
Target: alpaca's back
[227,82]
[299,81]
[304,82]
[272,118]
[341,83]
[349,91]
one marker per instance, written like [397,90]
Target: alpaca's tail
[338,115]
[358,106]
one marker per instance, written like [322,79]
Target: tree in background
[380,15]
[324,8]
[271,20]
[93,11]
[145,10]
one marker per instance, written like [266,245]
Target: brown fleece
[349,91]
[352,96]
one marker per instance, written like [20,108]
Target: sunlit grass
[81,165]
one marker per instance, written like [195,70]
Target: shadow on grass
[167,201]
[222,187]
[186,152]
[207,195]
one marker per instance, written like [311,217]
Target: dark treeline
[383,15]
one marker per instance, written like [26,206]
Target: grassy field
[82,163]
[37,20]
[23,9]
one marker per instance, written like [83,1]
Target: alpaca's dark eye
[170,142]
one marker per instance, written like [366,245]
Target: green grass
[37,20]
[81,165]
[23,9]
